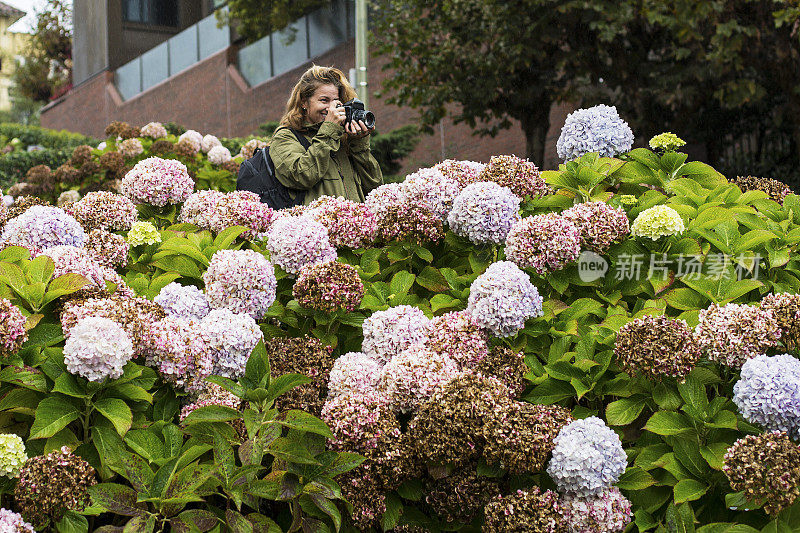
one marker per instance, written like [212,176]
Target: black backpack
[257,175]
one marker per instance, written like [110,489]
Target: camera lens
[369,119]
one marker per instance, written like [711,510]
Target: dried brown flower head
[67,174]
[461,495]
[303,355]
[89,168]
[449,427]
[161,146]
[766,468]
[411,221]
[786,309]
[777,190]
[51,484]
[108,249]
[80,155]
[22,204]
[519,437]
[507,366]
[525,512]
[116,128]
[642,344]
[112,161]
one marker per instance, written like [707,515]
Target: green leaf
[285,383]
[52,415]
[212,413]
[72,522]
[329,508]
[444,301]
[67,384]
[193,520]
[394,507]
[668,423]
[227,236]
[433,280]
[119,499]
[550,391]
[634,478]
[680,519]
[714,454]
[257,367]
[401,283]
[117,411]
[689,490]
[306,422]
[624,411]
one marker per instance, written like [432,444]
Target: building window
[155,12]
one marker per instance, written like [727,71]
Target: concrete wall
[103,41]
[90,39]
[212,97]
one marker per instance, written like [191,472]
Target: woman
[338,161]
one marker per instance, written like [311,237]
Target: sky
[26,23]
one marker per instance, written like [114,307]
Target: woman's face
[317,106]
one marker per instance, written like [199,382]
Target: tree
[46,68]
[706,69]
[484,62]
[255,19]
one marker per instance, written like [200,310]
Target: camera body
[354,111]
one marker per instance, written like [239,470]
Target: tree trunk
[535,123]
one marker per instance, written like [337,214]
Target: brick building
[200,76]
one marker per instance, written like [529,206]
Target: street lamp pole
[361,52]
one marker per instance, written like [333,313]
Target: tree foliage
[47,67]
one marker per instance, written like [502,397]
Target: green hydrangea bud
[143,233]
[12,454]
[666,142]
[657,222]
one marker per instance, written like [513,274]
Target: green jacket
[325,168]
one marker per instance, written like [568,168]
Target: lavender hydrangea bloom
[97,348]
[186,301]
[387,333]
[768,393]
[588,457]
[242,281]
[158,182]
[231,338]
[596,129]
[607,512]
[379,200]
[503,298]
[41,227]
[295,242]
[484,213]
[353,373]
[14,523]
[434,188]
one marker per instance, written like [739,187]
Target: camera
[354,111]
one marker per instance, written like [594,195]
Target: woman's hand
[335,113]
[357,130]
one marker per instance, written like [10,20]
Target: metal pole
[361,52]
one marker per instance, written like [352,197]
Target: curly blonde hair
[310,81]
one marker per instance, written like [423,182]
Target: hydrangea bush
[492,347]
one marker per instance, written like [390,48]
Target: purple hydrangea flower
[768,393]
[349,224]
[295,242]
[381,199]
[242,281]
[607,512]
[157,182]
[543,242]
[14,523]
[388,333]
[12,328]
[596,129]
[41,227]
[503,298]
[174,347]
[97,348]
[409,379]
[215,211]
[231,338]
[484,213]
[185,301]
[353,373]
[588,457]
[430,186]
